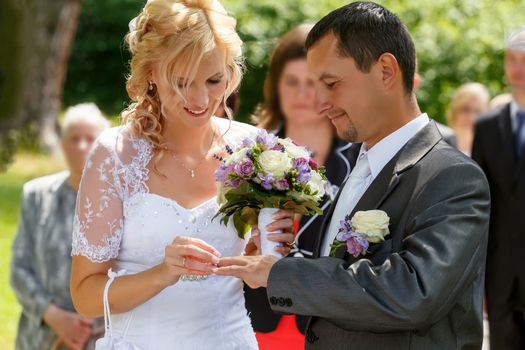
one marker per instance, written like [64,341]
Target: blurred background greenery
[457,41]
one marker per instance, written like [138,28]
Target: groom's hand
[253,270]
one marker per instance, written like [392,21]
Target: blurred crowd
[491,130]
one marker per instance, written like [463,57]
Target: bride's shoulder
[234,130]
[121,142]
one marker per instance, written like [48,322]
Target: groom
[422,287]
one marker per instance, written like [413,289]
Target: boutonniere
[358,232]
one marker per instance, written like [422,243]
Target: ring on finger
[184,262]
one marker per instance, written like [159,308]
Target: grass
[25,167]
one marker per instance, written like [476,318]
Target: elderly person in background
[468,103]
[41,263]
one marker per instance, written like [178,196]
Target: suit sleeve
[28,289]
[443,252]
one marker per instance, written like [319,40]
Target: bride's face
[200,97]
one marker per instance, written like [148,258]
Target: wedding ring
[184,262]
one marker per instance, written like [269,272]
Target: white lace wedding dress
[118,218]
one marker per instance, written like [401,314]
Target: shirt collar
[379,155]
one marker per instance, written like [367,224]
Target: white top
[118,218]
[514,108]
[377,156]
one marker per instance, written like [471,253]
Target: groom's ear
[390,72]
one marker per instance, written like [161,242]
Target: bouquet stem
[267,246]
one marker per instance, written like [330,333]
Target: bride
[148,193]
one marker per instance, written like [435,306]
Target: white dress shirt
[377,156]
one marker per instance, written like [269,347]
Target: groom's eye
[330,85]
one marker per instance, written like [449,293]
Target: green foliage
[457,41]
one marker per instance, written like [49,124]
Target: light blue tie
[520,134]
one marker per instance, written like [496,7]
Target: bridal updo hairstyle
[175,35]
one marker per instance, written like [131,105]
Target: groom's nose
[321,102]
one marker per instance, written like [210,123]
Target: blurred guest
[41,263]
[499,148]
[288,110]
[468,102]
[500,100]
[445,131]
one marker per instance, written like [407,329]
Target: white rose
[276,163]
[301,197]
[317,184]
[293,150]
[237,157]
[371,223]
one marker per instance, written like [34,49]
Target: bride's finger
[283,214]
[194,265]
[177,268]
[283,250]
[181,240]
[196,252]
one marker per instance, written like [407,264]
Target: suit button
[273,300]
[281,302]
[288,302]
[311,337]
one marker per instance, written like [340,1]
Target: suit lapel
[387,180]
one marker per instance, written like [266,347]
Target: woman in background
[468,103]
[41,263]
[288,110]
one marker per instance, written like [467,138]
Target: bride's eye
[181,83]
[214,81]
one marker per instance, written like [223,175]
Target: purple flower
[229,149]
[356,244]
[248,142]
[301,164]
[265,181]
[221,174]
[282,184]
[244,168]
[234,182]
[304,177]
[266,139]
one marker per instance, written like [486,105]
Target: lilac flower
[282,184]
[266,139]
[248,142]
[229,149]
[221,174]
[244,168]
[234,182]
[304,177]
[356,244]
[301,164]
[264,180]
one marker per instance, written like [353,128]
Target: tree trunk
[33,62]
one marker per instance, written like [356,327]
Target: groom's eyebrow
[325,76]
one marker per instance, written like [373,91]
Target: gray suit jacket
[422,288]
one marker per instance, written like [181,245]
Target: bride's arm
[88,278]
[97,235]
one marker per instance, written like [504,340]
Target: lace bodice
[118,218]
[114,179]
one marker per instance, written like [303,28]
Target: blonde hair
[462,96]
[84,111]
[177,34]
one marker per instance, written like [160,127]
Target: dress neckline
[177,204]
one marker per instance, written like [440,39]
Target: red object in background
[285,337]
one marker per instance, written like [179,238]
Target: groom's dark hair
[365,31]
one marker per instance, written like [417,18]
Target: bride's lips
[196,113]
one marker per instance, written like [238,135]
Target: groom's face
[347,96]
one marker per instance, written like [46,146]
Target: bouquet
[267,172]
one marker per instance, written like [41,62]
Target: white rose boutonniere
[358,232]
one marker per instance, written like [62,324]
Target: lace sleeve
[98,223]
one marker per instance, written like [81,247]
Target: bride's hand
[283,220]
[188,256]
